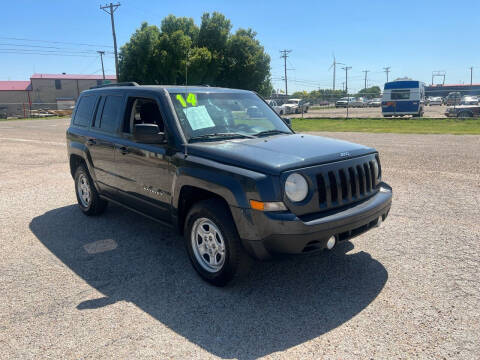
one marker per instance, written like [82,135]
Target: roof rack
[128,83]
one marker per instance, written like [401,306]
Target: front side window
[142,111]
[84,112]
[400,94]
[110,115]
[205,115]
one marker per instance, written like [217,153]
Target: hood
[275,154]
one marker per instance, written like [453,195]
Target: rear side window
[400,94]
[110,115]
[85,109]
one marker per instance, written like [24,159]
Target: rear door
[101,145]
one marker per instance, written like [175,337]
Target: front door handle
[91,142]
[123,150]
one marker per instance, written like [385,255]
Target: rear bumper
[264,234]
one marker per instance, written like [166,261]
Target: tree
[212,54]
[371,92]
[137,60]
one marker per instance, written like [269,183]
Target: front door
[146,175]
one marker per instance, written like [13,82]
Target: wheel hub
[208,245]
[83,190]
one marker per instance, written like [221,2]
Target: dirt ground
[120,286]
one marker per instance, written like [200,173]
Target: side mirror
[287,121]
[148,134]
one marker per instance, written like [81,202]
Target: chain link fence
[436,103]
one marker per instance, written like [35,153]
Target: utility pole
[366,71]
[471,75]
[387,70]
[284,57]
[346,68]
[334,65]
[101,60]
[110,9]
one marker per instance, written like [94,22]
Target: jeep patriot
[224,170]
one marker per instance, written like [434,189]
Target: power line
[48,54]
[49,51]
[53,42]
[284,57]
[40,47]
[111,9]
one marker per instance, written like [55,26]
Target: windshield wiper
[221,135]
[271,132]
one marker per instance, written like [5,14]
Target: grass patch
[382,125]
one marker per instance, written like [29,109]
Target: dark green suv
[222,168]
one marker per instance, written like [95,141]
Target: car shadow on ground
[281,304]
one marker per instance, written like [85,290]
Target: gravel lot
[430,112]
[121,286]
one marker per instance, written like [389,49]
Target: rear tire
[87,196]
[213,244]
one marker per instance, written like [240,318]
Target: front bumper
[266,233]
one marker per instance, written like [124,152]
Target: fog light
[379,222]
[331,243]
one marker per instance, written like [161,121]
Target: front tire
[213,244]
[87,196]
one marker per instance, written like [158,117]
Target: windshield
[205,115]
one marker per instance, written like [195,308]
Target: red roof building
[14,85]
[72,77]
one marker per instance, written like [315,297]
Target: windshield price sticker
[198,117]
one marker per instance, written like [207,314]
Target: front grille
[346,185]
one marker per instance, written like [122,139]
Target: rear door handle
[91,142]
[123,150]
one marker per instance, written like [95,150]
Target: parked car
[297,105]
[232,184]
[358,102]
[344,102]
[286,109]
[463,111]
[377,102]
[277,108]
[434,100]
[469,100]
[453,98]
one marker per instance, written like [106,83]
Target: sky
[413,38]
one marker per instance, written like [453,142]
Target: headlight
[296,187]
[376,171]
